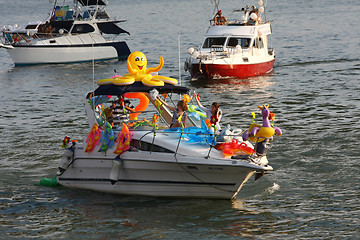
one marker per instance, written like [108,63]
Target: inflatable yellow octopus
[136,64]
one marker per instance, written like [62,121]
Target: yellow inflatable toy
[258,133]
[136,64]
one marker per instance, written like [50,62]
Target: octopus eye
[142,58]
[137,59]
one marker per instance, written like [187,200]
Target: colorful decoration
[123,140]
[65,142]
[234,148]
[208,123]
[211,124]
[158,105]
[137,124]
[107,138]
[165,95]
[257,133]
[197,111]
[144,103]
[154,121]
[214,119]
[93,138]
[186,98]
[136,64]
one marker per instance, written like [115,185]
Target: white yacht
[80,32]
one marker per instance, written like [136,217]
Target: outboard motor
[262,147]
[67,159]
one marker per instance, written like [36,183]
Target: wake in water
[272,189]
[316,62]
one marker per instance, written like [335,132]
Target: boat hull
[42,54]
[157,174]
[214,71]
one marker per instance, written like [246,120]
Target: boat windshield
[243,42]
[214,42]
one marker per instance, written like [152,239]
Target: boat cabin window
[258,43]
[82,28]
[243,42]
[214,42]
[145,146]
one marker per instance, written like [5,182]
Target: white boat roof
[238,30]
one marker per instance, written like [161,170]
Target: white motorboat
[82,32]
[240,48]
[156,160]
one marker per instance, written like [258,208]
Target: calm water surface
[314,90]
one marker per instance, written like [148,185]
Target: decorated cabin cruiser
[237,49]
[80,33]
[136,156]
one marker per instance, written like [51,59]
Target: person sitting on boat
[179,110]
[219,19]
[213,113]
[48,29]
[254,17]
[119,114]
[108,112]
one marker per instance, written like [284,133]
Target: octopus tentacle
[156,69]
[169,80]
[149,81]
[130,68]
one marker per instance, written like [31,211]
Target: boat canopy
[111,28]
[91,2]
[238,30]
[115,90]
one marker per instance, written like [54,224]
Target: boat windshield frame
[210,42]
[244,42]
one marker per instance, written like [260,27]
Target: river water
[314,91]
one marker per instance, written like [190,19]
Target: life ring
[169,80]
[261,134]
[144,103]
[265,132]
[123,140]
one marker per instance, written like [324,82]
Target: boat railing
[259,150]
[14,37]
[209,139]
[201,137]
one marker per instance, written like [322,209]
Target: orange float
[144,103]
